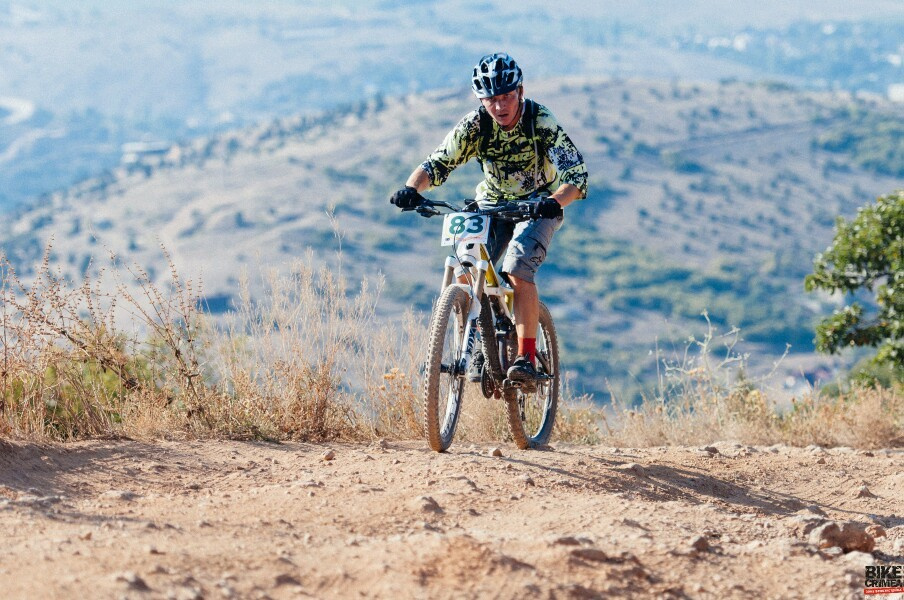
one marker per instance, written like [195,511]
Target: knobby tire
[442,391]
[532,416]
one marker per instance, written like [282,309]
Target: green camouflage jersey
[511,167]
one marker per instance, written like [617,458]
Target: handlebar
[509,211]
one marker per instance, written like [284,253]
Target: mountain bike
[483,308]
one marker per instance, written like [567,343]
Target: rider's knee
[519,282]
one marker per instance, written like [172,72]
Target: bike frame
[483,280]
[482,303]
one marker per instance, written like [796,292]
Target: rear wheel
[532,415]
[444,377]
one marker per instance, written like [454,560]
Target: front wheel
[531,416]
[444,379]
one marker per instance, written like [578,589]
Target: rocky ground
[222,519]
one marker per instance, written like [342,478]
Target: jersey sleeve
[561,152]
[459,146]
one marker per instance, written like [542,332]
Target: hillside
[703,197]
[98,75]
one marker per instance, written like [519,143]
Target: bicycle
[485,305]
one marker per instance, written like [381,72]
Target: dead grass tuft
[309,360]
[703,399]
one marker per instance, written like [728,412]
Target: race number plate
[465,227]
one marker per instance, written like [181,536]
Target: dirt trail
[213,519]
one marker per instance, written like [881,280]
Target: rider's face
[505,108]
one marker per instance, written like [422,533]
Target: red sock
[528,347]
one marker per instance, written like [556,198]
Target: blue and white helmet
[495,74]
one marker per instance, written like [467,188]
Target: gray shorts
[527,250]
[524,245]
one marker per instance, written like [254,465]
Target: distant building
[133,152]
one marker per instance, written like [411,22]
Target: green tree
[867,254]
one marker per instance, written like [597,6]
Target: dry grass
[704,399]
[306,361]
[309,360]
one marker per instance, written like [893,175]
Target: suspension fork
[448,274]
[471,328]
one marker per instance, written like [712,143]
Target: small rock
[814,509]
[328,455]
[204,523]
[428,504]
[863,492]
[497,452]
[632,523]
[527,480]
[591,554]
[464,479]
[633,468]
[821,460]
[803,524]
[876,531]
[710,449]
[849,536]
[859,560]
[382,443]
[566,541]
[85,536]
[754,545]
[133,581]
[119,495]
[700,544]
[286,579]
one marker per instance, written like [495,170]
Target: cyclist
[525,155]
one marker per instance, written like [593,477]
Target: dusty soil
[214,519]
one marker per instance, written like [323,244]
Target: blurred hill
[82,83]
[704,197]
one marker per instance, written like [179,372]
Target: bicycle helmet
[495,74]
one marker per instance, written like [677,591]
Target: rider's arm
[419,179]
[564,157]
[459,146]
[567,193]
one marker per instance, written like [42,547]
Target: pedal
[522,386]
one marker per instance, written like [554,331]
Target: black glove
[407,197]
[547,208]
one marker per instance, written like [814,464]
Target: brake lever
[427,211]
